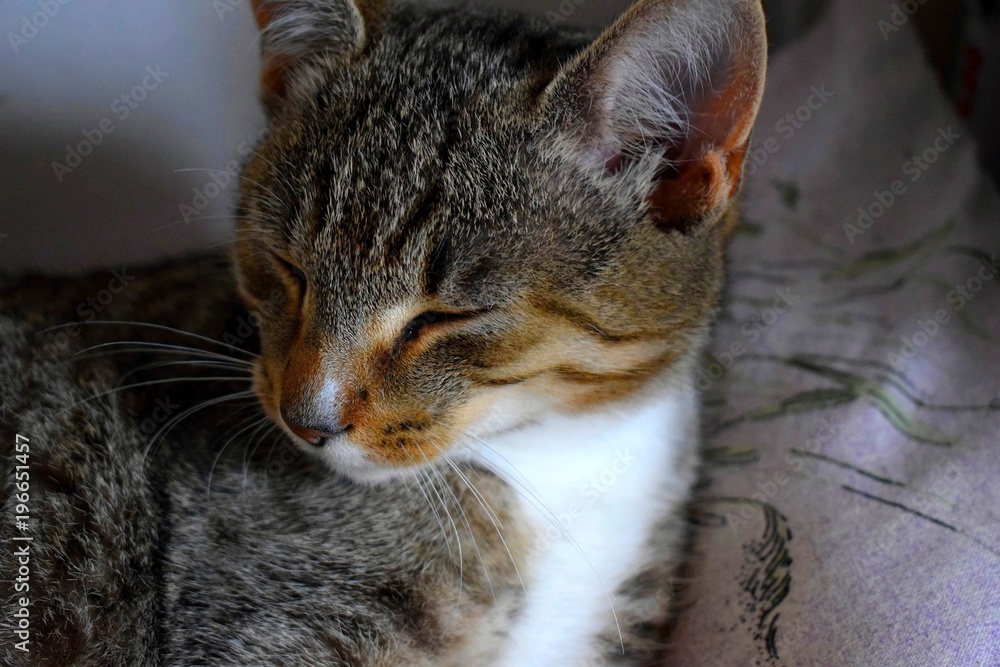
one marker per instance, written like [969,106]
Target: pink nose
[310,435]
[316,434]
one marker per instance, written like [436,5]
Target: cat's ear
[297,32]
[669,94]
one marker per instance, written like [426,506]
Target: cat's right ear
[666,99]
[295,33]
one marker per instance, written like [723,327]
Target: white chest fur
[594,486]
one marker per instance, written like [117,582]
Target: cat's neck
[590,452]
[594,487]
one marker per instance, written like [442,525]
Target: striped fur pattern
[541,269]
[480,256]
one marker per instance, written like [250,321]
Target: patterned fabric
[851,514]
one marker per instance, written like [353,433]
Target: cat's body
[261,567]
[137,559]
[483,257]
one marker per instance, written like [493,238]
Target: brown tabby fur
[566,286]
[418,159]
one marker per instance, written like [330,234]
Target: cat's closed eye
[415,327]
[411,216]
[293,272]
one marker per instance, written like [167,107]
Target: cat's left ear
[668,94]
[297,32]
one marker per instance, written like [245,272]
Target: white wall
[63,66]
[67,77]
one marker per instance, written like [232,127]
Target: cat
[480,257]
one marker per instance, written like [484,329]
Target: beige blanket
[852,510]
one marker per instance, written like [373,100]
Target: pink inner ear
[274,68]
[703,171]
[273,78]
[263,12]
[678,79]
[614,161]
[723,119]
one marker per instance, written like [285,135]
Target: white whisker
[458,537]
[250,450]
[147,348]
[437,516]
[190,411]
[258,423]
[493,519]
[203,363]
[148,325]
[433,470]
[276,200]
[157,382]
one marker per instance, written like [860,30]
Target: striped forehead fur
[422,97]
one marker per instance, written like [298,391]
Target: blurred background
[120,120]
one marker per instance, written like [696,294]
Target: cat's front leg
[645,603]
[644,610]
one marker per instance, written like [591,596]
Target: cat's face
[443,239]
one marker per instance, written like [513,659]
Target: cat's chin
[351,461]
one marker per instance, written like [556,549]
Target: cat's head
[461,222]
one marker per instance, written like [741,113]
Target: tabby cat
[456,422]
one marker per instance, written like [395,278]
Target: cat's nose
[312,434]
